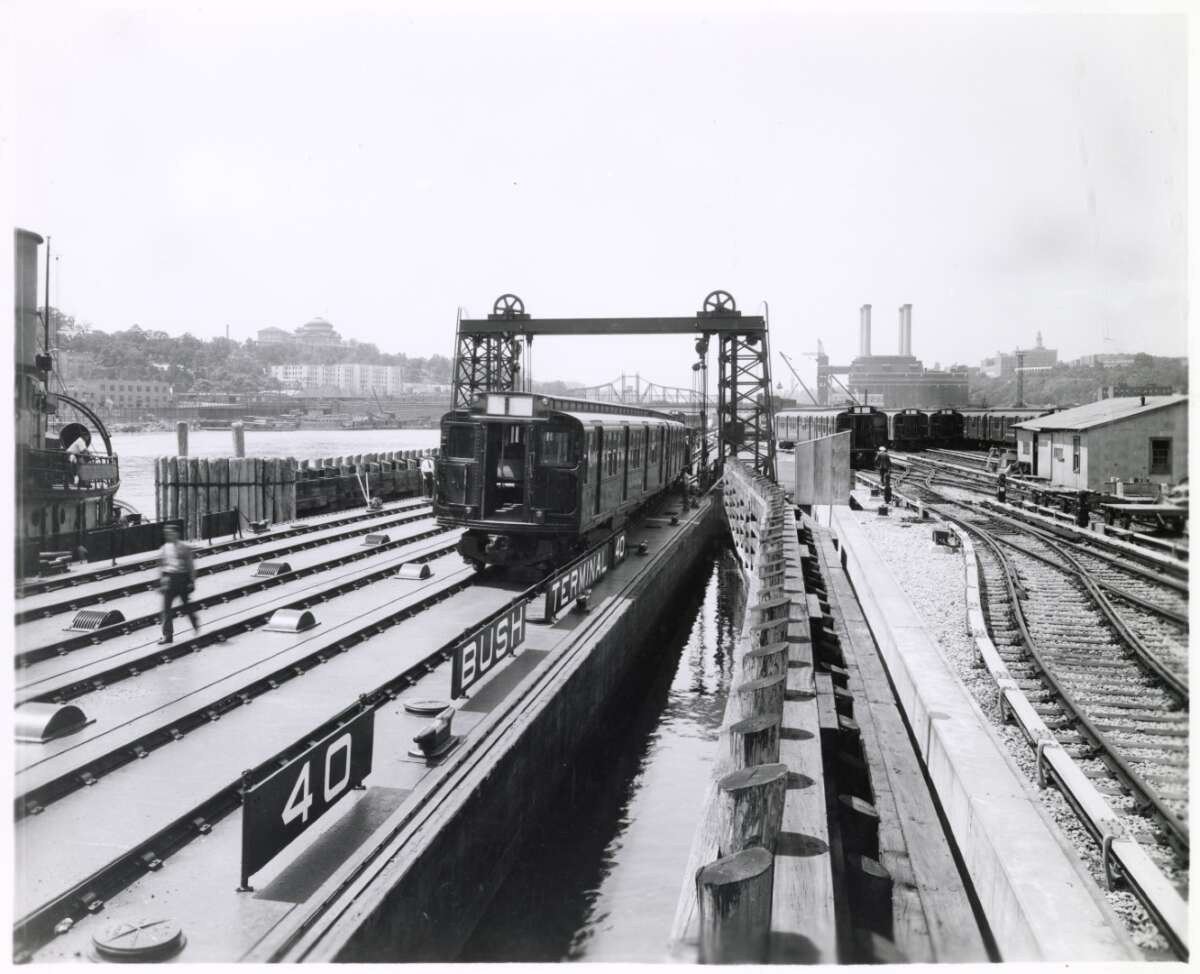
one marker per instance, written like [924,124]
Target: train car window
[460,442]
[554,448]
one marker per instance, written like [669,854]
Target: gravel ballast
[933,577]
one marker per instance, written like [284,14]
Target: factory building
[900,381]
[1138,438]
[1036,359]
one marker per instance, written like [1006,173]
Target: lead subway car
[531,476]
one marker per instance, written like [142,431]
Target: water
[138,451]
[600,875]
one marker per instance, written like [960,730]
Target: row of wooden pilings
[784,863]
[278,489]
[734,893]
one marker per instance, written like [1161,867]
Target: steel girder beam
[487,357]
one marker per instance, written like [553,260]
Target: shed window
[1075,454]
[1160,455]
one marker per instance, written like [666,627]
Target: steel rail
[39,586]
[36,799]
[88,896]
[1099,741]
[37,927]
[160,655]
[132,588]
[64,646]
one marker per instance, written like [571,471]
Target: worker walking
[177,581]
[1001,486]
[427,475]
[883,463]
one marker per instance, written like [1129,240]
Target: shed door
[1035,454]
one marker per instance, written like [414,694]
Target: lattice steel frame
[488,351]
[744,409]
[489,361]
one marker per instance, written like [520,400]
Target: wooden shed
[1129,439]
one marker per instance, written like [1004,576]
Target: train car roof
[529,405]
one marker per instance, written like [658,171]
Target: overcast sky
[249,165]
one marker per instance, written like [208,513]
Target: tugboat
[66,481]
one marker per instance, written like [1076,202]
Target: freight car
[946,428]
[909,429]
[868,428]
[531,477]
[984,428]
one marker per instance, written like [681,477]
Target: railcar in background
[868,427]
[985,428]
[909,429]
[532,477]
[945,428]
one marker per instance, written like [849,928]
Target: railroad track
[76,597]
[1100,650]
[37,586]
[124,760]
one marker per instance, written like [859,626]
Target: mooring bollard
[239,438]
[181,437]
[763,696]
[734,896]
[750,808]
[765,661]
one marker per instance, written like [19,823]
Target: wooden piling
[202,508]
[763,696]
[239,438]
[754,741]
[734,896]
[181,438]
[750,808]
[172,488]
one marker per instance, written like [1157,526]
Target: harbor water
[599,875]
[138,451]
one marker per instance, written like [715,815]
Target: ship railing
[59,470]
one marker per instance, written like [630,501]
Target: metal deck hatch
[39,722]
[89,620]
[291,620]
[270,569]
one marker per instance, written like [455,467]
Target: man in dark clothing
[1001,486]
[177,581]
[1081,510]
[883,463]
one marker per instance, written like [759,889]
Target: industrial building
[1036,359]
[894,381]
[1138,438]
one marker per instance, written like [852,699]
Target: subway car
[985,428]
[909,429]
[868,428]
[945,428]
[531,477]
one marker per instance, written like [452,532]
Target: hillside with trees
[191,364]
[1066,385]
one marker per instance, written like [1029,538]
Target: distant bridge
[633,390]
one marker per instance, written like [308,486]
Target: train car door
[600,456]
[625,438]
[662,454]
[645,471]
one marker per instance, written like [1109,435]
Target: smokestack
[864,330]
[906,329]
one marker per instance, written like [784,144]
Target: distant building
[1090,446]
[1126,392]
[898,381]
[348,377]
[1105,360]
[1036,359]
[315,332]
[275,336]
[105,394]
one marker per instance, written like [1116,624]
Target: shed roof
[1100,413]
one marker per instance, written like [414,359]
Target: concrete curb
[1039,903]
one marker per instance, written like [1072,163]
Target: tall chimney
[864,330]
[906,329]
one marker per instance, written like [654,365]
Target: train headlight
[539,516]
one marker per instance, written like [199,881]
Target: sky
[208,165]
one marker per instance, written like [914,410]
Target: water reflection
[599,876]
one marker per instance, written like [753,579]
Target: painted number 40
[301,798]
